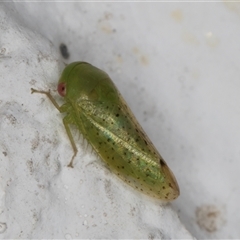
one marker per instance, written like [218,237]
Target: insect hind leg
[70,136]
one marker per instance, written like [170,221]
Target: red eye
[62,89]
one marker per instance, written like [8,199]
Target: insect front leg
[66,121]
[48,94]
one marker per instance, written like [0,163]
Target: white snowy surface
[177,66]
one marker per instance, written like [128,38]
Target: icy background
[177,66]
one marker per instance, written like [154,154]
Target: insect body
[95,106]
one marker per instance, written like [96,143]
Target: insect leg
[66,122]
[48,94]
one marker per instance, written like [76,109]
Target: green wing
[117,137]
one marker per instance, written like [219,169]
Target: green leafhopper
[94,105]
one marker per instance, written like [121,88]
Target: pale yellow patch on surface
[104,23]
[107,28]
[119,59]
[142,58]
[195,74]
[177,15]
[190,38]
[211,40]
[233,6]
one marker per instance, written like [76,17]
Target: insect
[95,106]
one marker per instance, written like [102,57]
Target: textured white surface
[176,64]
